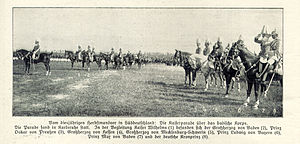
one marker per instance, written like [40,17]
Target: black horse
[98,58]
[128,60]
[26,56]
[74,58]
[250,61]
[231,69]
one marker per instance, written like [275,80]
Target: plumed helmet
[36,41]
[219,41]
[198,41]
[274,33]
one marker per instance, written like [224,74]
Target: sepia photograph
[147,62]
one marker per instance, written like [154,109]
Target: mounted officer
[198,50]
[89,52]
[217,54]
[120,53]
[93,54]
[112,53]
[269,52]
[36,50]
[79,53]
[206,50]
[236,60]
[139,55]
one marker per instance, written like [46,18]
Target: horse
[74,58]
[216,55]
[139,60]
[26,56]
[250,62]
[231,70]
[192,63]
[98,58]
[117,61]
[128,60]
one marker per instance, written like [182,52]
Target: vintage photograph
[147,62]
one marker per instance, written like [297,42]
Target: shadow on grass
[178,92]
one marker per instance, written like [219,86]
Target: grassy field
[156,90]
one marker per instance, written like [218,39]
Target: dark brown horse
[98,58]
[250,61]
[26,56]
[230,70]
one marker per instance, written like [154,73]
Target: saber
[271,79]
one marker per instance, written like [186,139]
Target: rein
[252,66]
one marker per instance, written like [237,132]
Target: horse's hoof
[239,90]
[265,95]
[245,104]
[255,107]
[226,95]
[205,89]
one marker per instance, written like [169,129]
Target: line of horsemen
[268,55]
[92,54]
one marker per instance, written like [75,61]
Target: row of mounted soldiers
[112,54]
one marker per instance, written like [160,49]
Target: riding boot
[264,70]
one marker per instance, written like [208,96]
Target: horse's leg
[28,67]
[238,84]
[228,80]
[72,64]
[256,87]
[233,82]
[212,78]
[88,66]
[106,63]
[186,75]
[47,71]
[223,80]
[189,75]
[207,75]
[194,74]
[250,84]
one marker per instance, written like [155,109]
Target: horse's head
[234,50]
[22,54]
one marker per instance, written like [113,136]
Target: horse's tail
[50,53]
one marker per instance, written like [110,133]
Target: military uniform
[112,53]
[36,50]
[198,50]
[206,50]
[264,49]
[139,55]
[79,53]
[269,53]
[273,52]
[89,52]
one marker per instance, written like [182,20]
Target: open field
[156,90]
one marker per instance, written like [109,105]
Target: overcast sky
[148,30]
